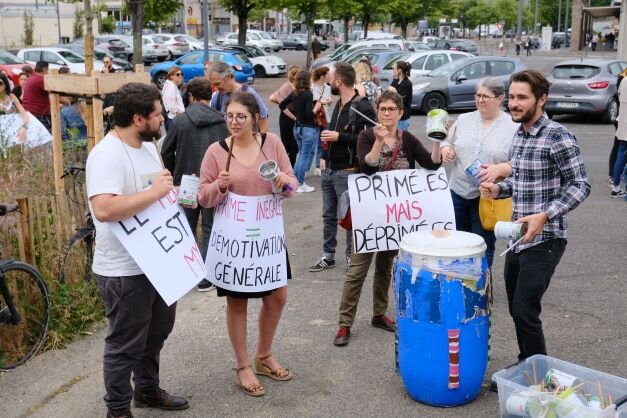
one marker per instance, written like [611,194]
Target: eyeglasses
[239,118]
[178,74]
[388,109]
[482,97]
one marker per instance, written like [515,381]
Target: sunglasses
[178,74]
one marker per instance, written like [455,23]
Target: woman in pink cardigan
[250,150]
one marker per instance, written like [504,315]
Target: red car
[12,65]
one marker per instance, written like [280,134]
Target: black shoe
[205,286]
[158,398]
[322,264]
[342,337]
[119,414]
[619,193]
[383,322]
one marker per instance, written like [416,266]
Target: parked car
[113,45]
[12,65]
[264,64]
[293,41]
[399,44]
[464,45]
[151,50]
[192,65]
[99,54]
[416,46]
[585,86]
[176,45]
[429,39]
[453,85]
[252,38]
[352,56]
[274,44]
[195,44]
[57,58]
[422,63]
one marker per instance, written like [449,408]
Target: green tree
[404,13]
[29,29]
[242,8]
[78,25]
[160,11]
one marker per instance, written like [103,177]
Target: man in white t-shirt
[124,177]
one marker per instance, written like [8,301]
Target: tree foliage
[29,29]
[79,23]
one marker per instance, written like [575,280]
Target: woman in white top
[481,138]
[321,93]
[171,95]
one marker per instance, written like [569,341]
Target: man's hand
[489,190]
[323,164]
[162,184]
[329,136]
[535,225]
[488,173]
[224,180]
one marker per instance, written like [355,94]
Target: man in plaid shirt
[547,181]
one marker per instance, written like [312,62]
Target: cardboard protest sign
[162,244]
[387,205]
[247,246]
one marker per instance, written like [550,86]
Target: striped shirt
[548,175]
[471,142]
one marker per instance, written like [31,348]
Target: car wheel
[260,71]
[130,58]
[170,56]
[160,79]
[161,59]
[611,113]
[299,47]
[432,101]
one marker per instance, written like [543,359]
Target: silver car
[176,45]
[585,87]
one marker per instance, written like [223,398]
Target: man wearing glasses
[171,95]
[107,67]
[223,81]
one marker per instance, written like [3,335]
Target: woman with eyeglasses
[381,148]
[249,150]
[483,138]
[171,95]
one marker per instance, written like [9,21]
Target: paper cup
[523,405]
[509,230]
[556,379]
[436,124]
[188,192]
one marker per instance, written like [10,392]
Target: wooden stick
[577,386]
[601,394]
[542,386]
[228,158]
[610,400]
[535,375]
[528,378]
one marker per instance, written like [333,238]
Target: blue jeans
[333,183]
[467,219]
[403,124]
[318,151]
[619,165]
[306,138]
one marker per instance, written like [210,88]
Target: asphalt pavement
[584,316]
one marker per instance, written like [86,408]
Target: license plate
[567,104]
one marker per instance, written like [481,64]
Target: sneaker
[322,264]
[305,188]
[383,322]
[619,193]
[342,337]
[205,286]
[317,172]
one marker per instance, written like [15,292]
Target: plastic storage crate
[515,381]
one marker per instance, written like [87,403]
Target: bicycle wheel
[77,257]
[29,293]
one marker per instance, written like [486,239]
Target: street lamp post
[535,20]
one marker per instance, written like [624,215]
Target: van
[398,44]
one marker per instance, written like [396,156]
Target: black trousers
[286,128]
[139,323]
[527,276]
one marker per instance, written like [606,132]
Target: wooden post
[26,229]
[89,123]
[57,143]
[97,115]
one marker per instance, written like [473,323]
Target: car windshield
[71,57]
[445,69]
[7,59]
[570,72]
[265,35]
[240,57]
[256,52]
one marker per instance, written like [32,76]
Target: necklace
[130,160]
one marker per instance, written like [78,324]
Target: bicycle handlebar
[72,170]
[6,208]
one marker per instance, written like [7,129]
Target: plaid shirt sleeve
[567,156]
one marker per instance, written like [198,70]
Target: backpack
[372,93]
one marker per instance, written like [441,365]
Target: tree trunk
[404,23]
[137,21]
[365,22]
[346,19]
[242,17]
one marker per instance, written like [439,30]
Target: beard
[149,135]
[335,91]
[526,117]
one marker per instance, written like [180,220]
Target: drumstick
[512,246]
[363,116]
[533,365]
[228,158]
[601,394]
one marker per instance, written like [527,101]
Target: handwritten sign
[247,246]
[162,244]
[387,205]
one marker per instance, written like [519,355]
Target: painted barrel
[441,281]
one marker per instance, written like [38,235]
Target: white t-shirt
[116,168]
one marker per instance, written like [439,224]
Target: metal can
[556,379]
[524,405]
[188,192]
[509,230]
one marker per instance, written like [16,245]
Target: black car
[99,54]
[298,41]
[463,45]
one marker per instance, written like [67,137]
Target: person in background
[107,65]
[316,48]
[621,137]
[28,70]
[548,180]
[249,150]
[306,132]
[321,94]
[364,83]
[11,84]
[286,121]
[35,97]
[223,81]
[10,104]
[171,96]
[381,148]
[72,121]
[65,70]
[484,135]
[402,85]
[184,147]
[18,90]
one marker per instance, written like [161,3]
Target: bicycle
[78,254]
[24,309]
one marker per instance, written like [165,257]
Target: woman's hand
[380,132]
[281,181]
[392,89]
[224,180]
[21,135]
[448,154]
[489,173]
[489,190]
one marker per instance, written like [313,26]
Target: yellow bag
[493,210]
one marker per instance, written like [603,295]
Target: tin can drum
[441,280]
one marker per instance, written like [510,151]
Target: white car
[57,58]
[252,39]
[195,44]
[264,64]
[177,45]
[151,50]
[274,44]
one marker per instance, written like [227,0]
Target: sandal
[253,389]
[280,374]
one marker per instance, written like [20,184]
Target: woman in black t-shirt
[402,85]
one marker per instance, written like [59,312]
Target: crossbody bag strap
[396,149]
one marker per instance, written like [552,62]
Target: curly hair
[134,99]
